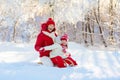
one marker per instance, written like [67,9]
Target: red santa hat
[50,21]
[64,37]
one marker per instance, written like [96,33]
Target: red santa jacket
[43,40]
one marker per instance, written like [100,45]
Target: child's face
[64,42]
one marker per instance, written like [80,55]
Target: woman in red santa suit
[44,40]
[59,56]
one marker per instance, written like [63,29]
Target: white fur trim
[46,61]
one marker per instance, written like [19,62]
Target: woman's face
[64,42]
[51,27]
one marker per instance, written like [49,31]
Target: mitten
[42,49]
[67,55]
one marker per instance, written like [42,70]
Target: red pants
[58,61]
[70,61]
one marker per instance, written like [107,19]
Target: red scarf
[64,47]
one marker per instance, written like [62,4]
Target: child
[58,55]
[68,60]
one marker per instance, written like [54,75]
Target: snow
[19,62]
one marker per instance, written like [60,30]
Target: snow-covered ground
[19,62]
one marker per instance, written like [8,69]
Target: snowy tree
[88,22]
